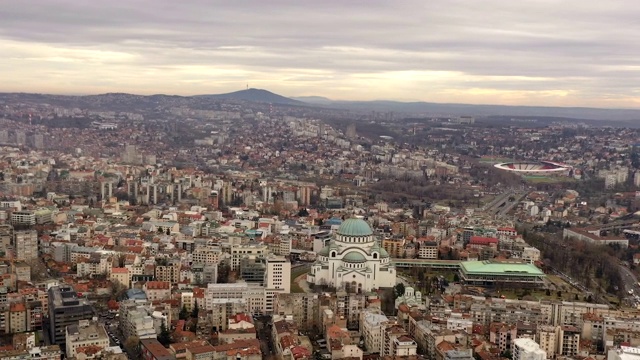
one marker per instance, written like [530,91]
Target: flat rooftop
[492,267]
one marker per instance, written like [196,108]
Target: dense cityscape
[163,227]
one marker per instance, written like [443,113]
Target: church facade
[353,260]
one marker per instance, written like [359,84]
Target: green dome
[324,251]
[354,257]
[383,253]
[355,227]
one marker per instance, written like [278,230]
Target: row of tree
[595,266]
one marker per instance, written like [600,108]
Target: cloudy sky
[542,52]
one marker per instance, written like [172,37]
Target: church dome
[324,251]
[355,227]
[354,257]
[380,250]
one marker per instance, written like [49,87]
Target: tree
[184,314]
[456,278]
[132,346]
[165,336]
[398,290]
[224,271]
[194,312]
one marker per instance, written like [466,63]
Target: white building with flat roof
[624,353]
[372,325]
[85,333]
[527,349]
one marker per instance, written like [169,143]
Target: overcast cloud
[544,52]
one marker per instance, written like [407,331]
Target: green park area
[295,273]
[547,179]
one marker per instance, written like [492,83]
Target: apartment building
[372,324]
[502,335]
[568,341]
[25,243]
[206,254]
[85,333]
[303,307]
[121,276]
[136,321]
[157,290]
[23,218]
[277,279]
[428,250]
[547,338]
[242,251]
[168,272]
[527,349]
[65,308]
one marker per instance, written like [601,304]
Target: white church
[353,260]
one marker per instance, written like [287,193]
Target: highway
[499,200]
[509,205]
[501,205]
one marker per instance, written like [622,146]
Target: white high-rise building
[277,280]
[527,349]
[353,260]
[372,323]
[278,273]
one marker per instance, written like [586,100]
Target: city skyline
[552,53]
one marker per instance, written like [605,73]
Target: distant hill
[127,102]
[256,95]
[443,109]
[318,100]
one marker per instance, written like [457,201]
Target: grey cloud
[586,44]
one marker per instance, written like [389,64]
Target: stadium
[535,167]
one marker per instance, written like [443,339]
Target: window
[375,255]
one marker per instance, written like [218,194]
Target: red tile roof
[481,240]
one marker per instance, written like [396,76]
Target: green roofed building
[492,272]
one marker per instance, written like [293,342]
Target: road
[630,283]
[509,205]
[403,280]
[497,201]
[263,329]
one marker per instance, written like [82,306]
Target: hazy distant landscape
[593,116]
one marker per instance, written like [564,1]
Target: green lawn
[295,288]
[548,179]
